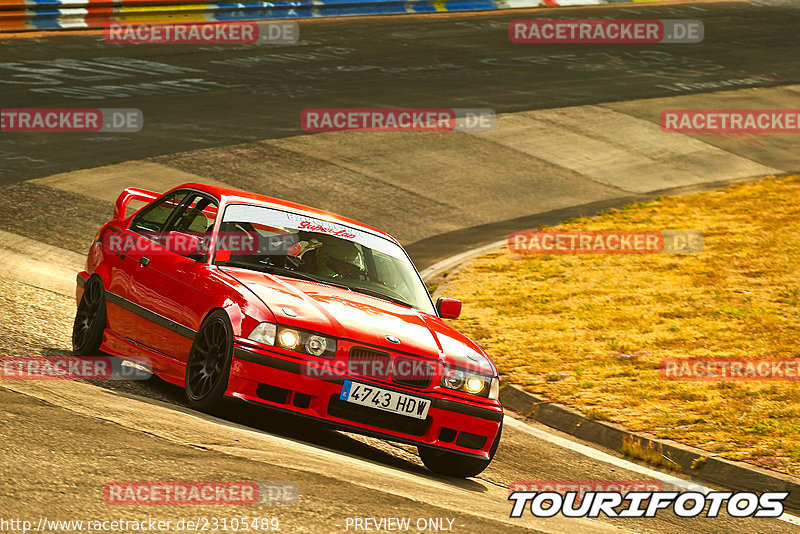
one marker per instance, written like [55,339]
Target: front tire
[209,363]
[90,319]
[455,465]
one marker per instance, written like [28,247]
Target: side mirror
[448,308]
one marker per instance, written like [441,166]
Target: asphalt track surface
[199,97]
[207,97]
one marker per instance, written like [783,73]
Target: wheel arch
[224,309]
[244,309]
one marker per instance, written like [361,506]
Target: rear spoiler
[132,193]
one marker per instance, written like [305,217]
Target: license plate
[384,399]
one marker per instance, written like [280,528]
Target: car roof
[228,195]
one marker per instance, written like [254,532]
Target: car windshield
[301,246]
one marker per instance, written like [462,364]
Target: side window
[189,232]
[198,217]
[150,222]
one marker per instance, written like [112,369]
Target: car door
[169,283]
[124,249]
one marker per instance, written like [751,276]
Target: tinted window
[197,217]
[189,231]
[153,218]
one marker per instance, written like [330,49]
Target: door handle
[145,261]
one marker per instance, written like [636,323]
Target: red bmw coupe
[225,292]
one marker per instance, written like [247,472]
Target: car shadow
[271,421]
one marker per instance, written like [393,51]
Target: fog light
[289,339]
[316,345]
[473,385]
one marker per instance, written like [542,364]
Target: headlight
[264,333]
[294,339]
[316,345]
[453,378]
[288,338]
[474,385]
[469,382]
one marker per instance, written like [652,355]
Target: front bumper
[276,380]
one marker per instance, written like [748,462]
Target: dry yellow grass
[591,330]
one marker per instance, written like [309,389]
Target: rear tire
[456,465]
[90,319]
[209,363]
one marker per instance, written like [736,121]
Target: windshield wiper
[378,294]
[274,269]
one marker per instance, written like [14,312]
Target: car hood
[361,318]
